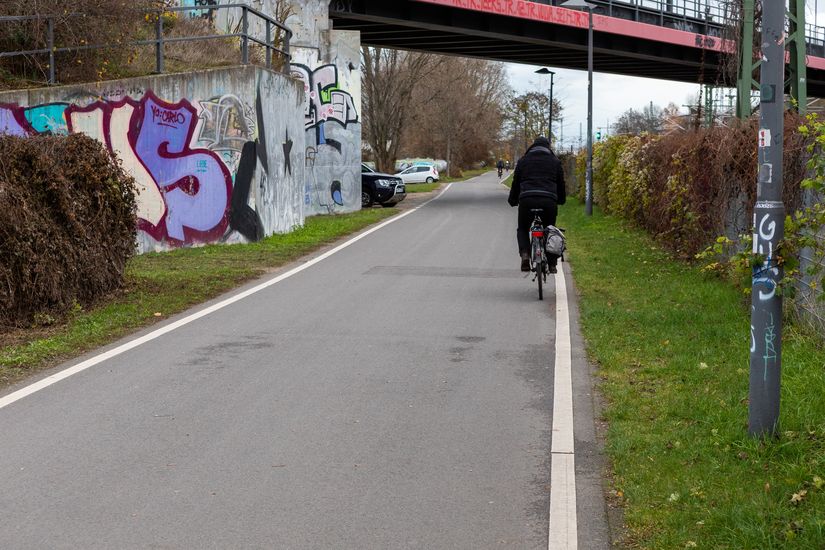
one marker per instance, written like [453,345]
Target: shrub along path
[672,346]
[160,285]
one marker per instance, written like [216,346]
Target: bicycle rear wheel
[538,266]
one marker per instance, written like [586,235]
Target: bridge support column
[797,43]
[328,61]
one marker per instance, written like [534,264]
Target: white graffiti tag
[762,274]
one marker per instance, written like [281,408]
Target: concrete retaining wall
[218,155]
[328,62]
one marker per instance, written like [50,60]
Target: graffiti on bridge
[194,164]
[325,103]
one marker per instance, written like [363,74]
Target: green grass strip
[159,285]
[672,349]
[421,187]
[427,187]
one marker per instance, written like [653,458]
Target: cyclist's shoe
[552,269]
[525,262]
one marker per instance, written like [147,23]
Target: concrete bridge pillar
[328,61]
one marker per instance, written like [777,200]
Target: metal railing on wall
[269,43]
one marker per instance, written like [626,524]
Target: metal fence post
[268,44]
[159,43]
[288,60]
[50,41]
[245,38]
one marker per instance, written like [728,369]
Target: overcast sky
[612,96]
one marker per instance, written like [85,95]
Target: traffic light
[598,135]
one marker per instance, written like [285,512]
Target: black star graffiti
[287,151]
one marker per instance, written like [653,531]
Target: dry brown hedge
[688,188]
[67,225]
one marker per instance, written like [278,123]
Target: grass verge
[160,285]
[672,346]
[427,187]
[421,187]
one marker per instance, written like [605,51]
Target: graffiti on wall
[327,110]
[195,163]
[207,14]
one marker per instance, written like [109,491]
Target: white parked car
[419,173]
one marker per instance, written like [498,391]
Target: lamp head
[578,4]
[545,70]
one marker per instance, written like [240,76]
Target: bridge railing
[271,45]
[705,16]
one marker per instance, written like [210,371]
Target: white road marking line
[563,532]
[80,367]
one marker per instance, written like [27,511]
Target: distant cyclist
[500,166]
[538,182]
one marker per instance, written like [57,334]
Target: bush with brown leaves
[67,225]
[682,187]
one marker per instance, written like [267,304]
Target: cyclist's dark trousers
[549,210]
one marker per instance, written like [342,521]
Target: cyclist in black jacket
[538,182]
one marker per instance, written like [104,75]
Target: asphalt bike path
[396,393]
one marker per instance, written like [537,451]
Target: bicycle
[538,257]
[499,173]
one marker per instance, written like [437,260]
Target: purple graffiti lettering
[13,122]
[196,185]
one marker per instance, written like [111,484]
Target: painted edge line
[123,348]
[563,527]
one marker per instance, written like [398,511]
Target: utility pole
[768,221]
[588,179]
[545,71]
[561,132]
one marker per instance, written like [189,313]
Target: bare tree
[527,116]
[389,80]
[462,112]
[650,120]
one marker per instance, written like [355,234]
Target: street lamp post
[588,182]
[545,70]
[769,220]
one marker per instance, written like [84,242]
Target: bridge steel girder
[796,43]
[747,65]
[447,29]
[798,47]
[439,26]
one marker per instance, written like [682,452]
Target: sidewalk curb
[601,523]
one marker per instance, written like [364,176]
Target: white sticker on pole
[764,137]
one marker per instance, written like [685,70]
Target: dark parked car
[383,189]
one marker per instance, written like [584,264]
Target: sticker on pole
[764,137]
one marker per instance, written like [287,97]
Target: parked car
[419,173]
[383,189]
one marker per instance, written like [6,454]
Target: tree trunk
[449,158]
